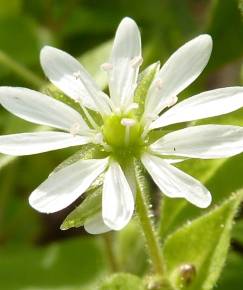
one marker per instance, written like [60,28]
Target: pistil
[127,123]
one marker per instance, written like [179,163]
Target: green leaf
[202,245]
[10,8]
[223,34]
[69,264]
[122,281]
[89,207]
[241,6]
[237,234]
[130,240]
[232,277]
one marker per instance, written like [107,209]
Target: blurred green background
[34,253]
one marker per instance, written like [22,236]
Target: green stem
[152,240]
[110,252]
[20,70]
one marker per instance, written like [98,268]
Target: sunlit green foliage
[34,253]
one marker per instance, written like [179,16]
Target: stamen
[91,120]
[127,123]
[106,66]
[98,139]
[136,61]
[75,128]
[87,114]
[172,101]
[117,111]
[159,84]
[77,75]
[132,106]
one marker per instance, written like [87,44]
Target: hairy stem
[151,237]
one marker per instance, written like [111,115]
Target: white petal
[64,186]
[39,108]
[208,104]
[95,225]
[66,73]
[117,198]
[33,143]
[180,70]
[175,183]
[206,141]
[124,72]
[175,160]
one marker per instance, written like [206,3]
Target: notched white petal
[63,187]
[180,70]
[125,59]
[205,141]
[66,73]
[117,198]
[38,142]
[207,104]
[175,183]
[38,108]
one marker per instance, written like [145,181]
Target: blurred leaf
[89,207]
[10,8]
[122,281]
[130,240]
[203,244]
[241,6]
[23,31]
[67,264]
[94,58]
[238,232]
[230,33]
[232,277]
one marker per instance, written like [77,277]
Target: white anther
[136,61]
[150,117]
[117,111]
[128,122]
[75,128]
[106,66]
[78,100]
[172,101]
[98,138]
[77,75]
[132,106]
[159,84]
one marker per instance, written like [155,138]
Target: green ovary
[115,133]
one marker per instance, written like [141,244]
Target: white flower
[123,135]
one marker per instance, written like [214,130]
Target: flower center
[122,131]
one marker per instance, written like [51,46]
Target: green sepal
[122,281]
[88,151]
[145,79]
[203,244]
[88,208]
[53,92]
